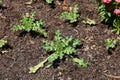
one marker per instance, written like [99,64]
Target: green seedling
[89,22]
[109,43]
[2,43]
[60,48]
[29,24]
[71,15]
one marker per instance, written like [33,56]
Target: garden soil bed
[24,50]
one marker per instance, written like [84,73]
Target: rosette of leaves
[72,16]
[29,24]
[109,43]
[60,47]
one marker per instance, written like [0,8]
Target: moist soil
[24,50]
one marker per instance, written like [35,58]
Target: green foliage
[71,15]
[116,26]
[104,13]
[2,42]
[60,47]
[89,22]
[29,24]
[109,43]
[49,1]
[80,62]
[109,14]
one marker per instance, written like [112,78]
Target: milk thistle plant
[109,12]
[110,45]
[72,16]
[60,48]
[30,24]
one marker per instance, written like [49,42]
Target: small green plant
[60,47]
[116,26]
[2,43]
[89,22]
[29,24]
[109,43]
[49,1]
[71,15]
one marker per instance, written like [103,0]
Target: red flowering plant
[109,12]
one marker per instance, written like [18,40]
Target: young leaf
[89,22]
[76,42]
[80,62]
[48,46]
[71,15]
[2,43]
[109,43]
[69,50]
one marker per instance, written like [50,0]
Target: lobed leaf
[80,62]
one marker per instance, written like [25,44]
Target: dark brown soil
[25,50]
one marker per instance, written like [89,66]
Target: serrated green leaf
[61,54]
[89,22]
[75,8]
[17,27]
[69,50]
[76,42]
[49,46]
[67,40]
[109,43]
[71,15]
[80,62]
